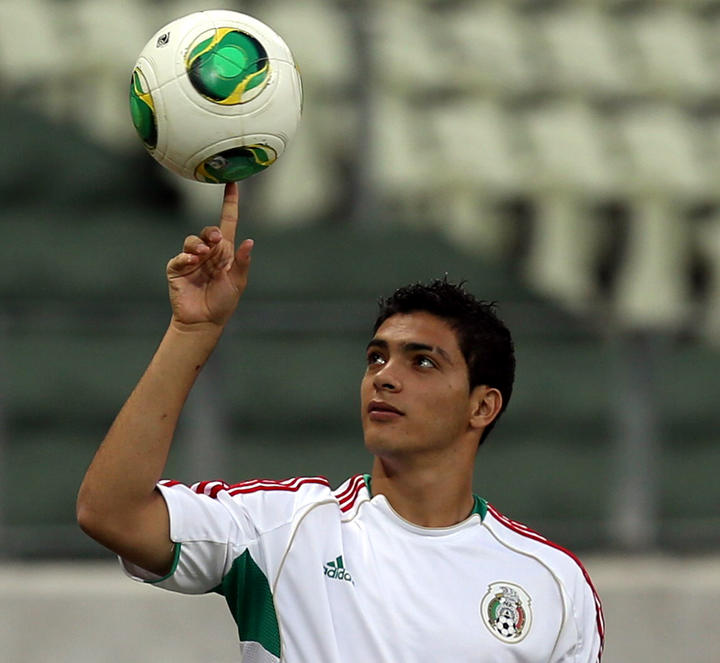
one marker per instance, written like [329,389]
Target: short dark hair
[484,340]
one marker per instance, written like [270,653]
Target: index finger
[229,212]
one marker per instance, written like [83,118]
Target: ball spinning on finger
[216,96]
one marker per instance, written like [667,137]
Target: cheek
[449,403]
[366,388]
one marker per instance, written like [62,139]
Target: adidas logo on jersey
[336,570]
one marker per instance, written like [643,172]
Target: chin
[386,445]
[378,445]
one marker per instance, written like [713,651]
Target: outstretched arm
[118,504]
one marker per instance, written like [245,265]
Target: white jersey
[337,576]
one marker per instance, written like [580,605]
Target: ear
[485,403]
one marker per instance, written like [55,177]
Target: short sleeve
[208,532]
[213,524]
[592,625]
[582,636]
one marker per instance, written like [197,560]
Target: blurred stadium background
[561,156]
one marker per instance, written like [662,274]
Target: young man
[402,565]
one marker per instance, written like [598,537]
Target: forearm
[122,476]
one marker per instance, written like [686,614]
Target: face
[415,394]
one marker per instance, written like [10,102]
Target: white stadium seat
[566,240]
[570,149]
[673,56]
[34,46]
[653,286]
[409,54]
[572,168]
[471,146]
[664,173]
[492,48]
[586,52]
[109,37]
[397,149]
[319,35]
[661,152]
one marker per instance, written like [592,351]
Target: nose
[386,379]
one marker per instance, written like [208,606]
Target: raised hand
[207,279]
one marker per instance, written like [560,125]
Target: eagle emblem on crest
[505,610]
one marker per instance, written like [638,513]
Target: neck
[426,494]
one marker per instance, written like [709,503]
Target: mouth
[382,411]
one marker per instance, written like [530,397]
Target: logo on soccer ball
[505,610]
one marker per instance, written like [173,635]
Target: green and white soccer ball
[216,96]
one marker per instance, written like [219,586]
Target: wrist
[208,329]
[185,346]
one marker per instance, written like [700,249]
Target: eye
[375,359]
[423,361]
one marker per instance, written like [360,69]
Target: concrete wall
[657,609]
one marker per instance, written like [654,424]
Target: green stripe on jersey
[479,507]
[173,568]
[248,595]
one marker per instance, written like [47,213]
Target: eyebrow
[411,346]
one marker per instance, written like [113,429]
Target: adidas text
[336,570]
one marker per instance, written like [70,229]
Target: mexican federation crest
[505,610]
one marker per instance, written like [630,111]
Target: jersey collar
[479,504]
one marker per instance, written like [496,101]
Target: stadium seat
[475,167]
[397,149]
[660,152]
[474,143]
[306,182]
[570,146]
[563,254]
[164,11]
[409,55]
[109,39]
[673,54]
[494,49]
[586,53]
[573,168]
[37,75]
[653,285]
[321,39]
[708,245]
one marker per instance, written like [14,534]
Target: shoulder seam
[524,530]
[214,487]
[348,496]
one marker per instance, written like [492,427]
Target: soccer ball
[216,96]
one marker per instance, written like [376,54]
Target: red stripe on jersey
[276,482]
[221,485]
[170,483]
[207,487]
[349,488]
[212,488]
[349,496]
[524,530]
[291,485]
